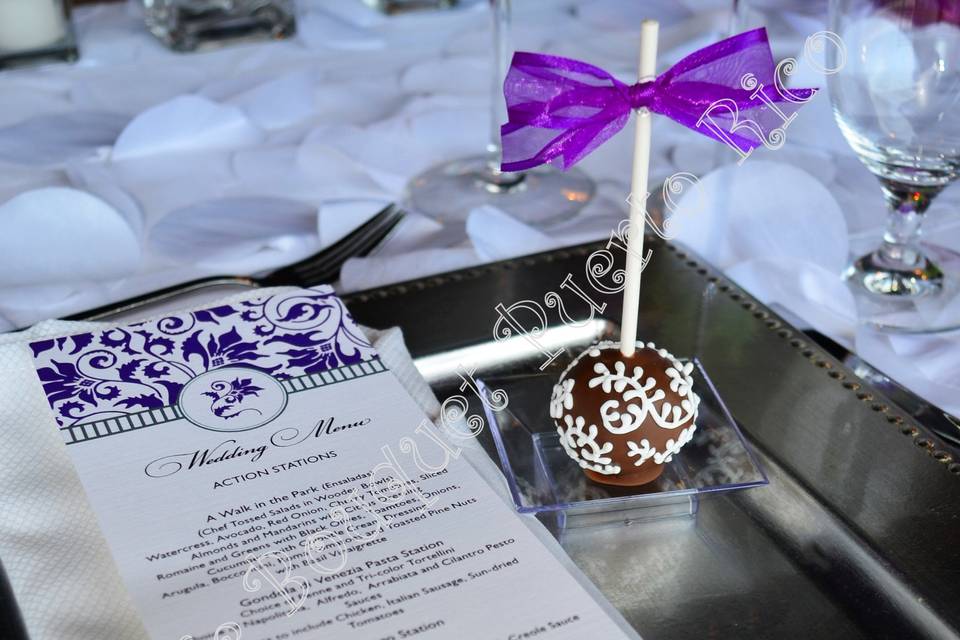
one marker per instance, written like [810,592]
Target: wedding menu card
[257,469]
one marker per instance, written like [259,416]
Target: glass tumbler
[188,25]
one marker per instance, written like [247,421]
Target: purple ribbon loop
[559,109]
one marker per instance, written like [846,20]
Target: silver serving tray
[858,533]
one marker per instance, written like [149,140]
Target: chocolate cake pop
[622,418]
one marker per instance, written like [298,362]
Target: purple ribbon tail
[559,109]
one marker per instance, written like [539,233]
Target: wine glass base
[878,277]
[925,299]
[539,197]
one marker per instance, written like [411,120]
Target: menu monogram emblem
[227,397]
[232,399]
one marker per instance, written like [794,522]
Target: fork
[322,267]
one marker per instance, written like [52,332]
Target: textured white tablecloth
[253,156]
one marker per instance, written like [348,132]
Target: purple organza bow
[559,110]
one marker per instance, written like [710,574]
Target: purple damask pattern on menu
[123,370]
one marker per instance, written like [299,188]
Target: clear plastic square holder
[544,481]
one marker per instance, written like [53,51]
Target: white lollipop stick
[638,199]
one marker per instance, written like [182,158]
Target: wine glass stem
[908,204]
[495,180]
[501,11]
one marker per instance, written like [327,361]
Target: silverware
[324,266]
[321,268]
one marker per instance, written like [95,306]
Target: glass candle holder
[33,31]
[188,25]
[402,6]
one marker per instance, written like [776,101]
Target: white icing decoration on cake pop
[582,446]
[680,380]
[673,447]
[561,399]
[645,451]
[668,416]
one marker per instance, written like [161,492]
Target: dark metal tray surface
[857,534]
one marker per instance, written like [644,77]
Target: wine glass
[541,196]
[895,98]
